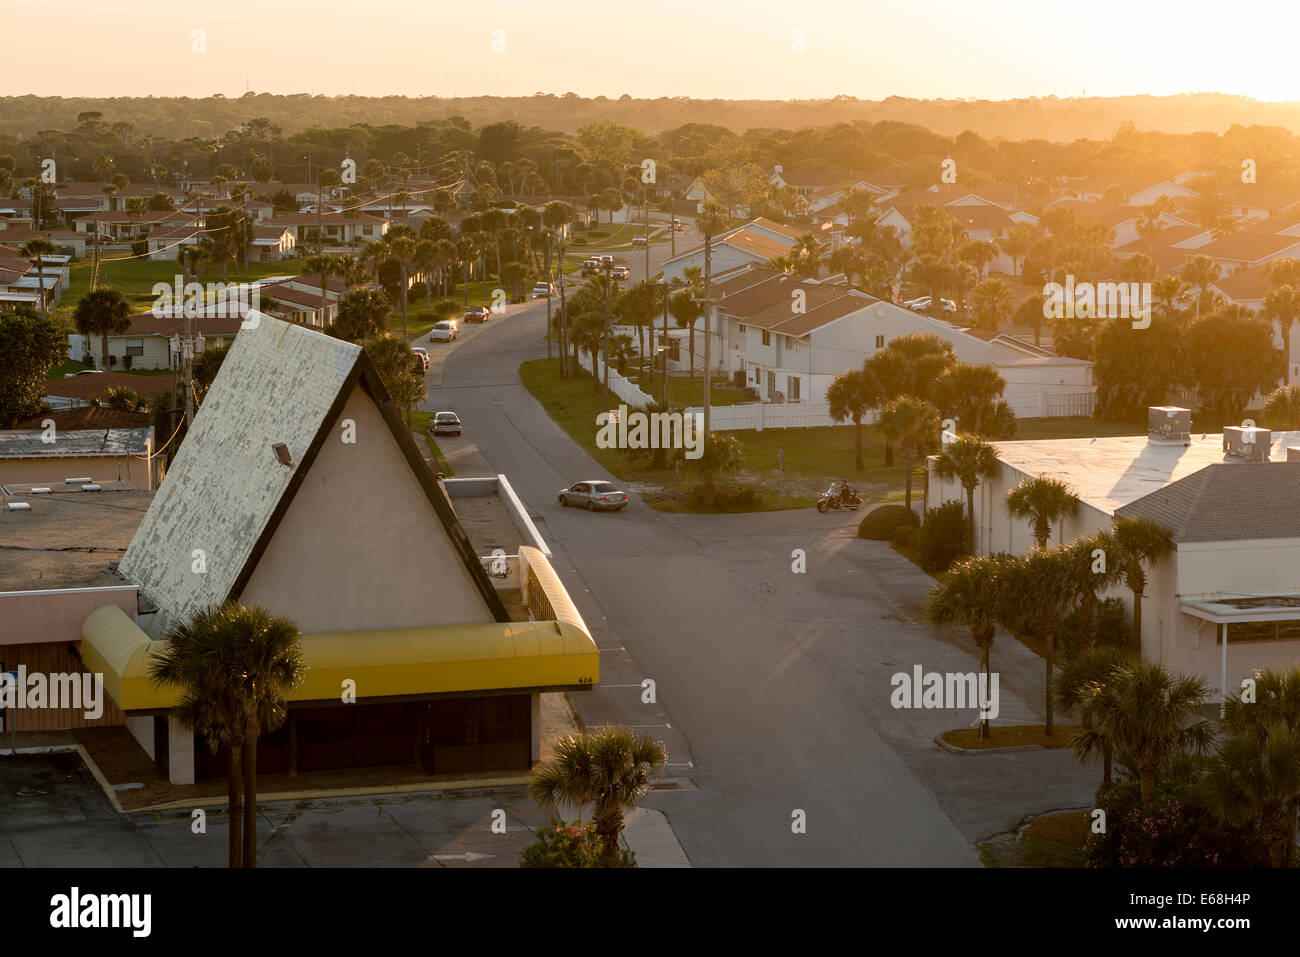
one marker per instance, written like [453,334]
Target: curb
[954,749]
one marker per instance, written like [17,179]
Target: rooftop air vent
[78,481]
[40,491]
[1248,443]
[18,506]
[92,487]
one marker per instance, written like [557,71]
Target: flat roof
[68,538]
[1112,472]
[29,443]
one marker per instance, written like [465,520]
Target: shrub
[598,233]
[569,845]
[879,524]
[444,308]
[903,535]
[941,539]
[140,248]
[1178,830]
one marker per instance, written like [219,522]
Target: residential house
[338,229]
[751,244]
[152,342]
[54,456]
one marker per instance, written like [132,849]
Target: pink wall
[30,617]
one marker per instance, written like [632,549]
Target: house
[338,229]
[165,243]
[294,304]
[788,339]
[152,340]
[67,241]
[1232,567]
[54,456]
[271,244]
[1136,190]
[128,227]
[343,538]
[1245,250]
[745,245]
[1261,202]
[78,390]
[15,212]
[1122,219]
[819,190]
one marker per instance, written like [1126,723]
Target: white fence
[622,388]
[1051,405]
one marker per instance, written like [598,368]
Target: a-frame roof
[227,490]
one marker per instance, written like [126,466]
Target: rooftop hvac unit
[1169,425]
[1250,444]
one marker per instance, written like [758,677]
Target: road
[772,688]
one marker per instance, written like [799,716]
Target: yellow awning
[494,656]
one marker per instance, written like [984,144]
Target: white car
[422,355]
[542,290]
[444,330]
[946,306]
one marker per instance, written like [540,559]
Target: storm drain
[666,786]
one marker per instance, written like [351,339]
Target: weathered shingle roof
[1227,503]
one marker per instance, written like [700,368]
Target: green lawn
[420,425]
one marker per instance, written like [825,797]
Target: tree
[37,249]
[362,314]
[1017,241]
[992,300]
[610,770]
[851,396]
[972,395]
[1044,500]
[1042,587]
[1131,543]
[323,267]
[1229,358]
[104,312]
[1200,272]
[913,424]
[1082,675]
[721,454]
[1282,408]
[395,364]
[30,345]
[973,594]
[1148,715]
[235,667]
[1030,313]
[1253,780]
[1283,304]
[969,460]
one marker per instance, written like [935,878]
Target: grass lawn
[812,456]
[1054,840]
[1014,737]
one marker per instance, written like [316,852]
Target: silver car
[445,423]
[597,496]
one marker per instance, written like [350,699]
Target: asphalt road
[772,688]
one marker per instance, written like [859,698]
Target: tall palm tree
[324,267]
[1200,272]
[913,425]
[973,593]
[104,312]
[851,396]
[1137,541]
[1082,675]
[36,249]
[969,459]
[610,770]
[1041,588]
[1283,304]
[425,260]
[193,659]
[1149,717]
[1017,241]
[1044,500]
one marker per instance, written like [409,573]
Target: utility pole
[549,329]
[645,207]
[564,325]
[604,379]
[667,294]
[708,329]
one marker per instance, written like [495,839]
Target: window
[740,329]
[791,344]
[792,387]
[1262,631]
[135,347]
[767,338]
[880,342]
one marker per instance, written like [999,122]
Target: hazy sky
[993,49]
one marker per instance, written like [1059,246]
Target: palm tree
[1017,241]
[1200,272]
[425,260]
[992,300]
[193,659]
[972,593]
[1276,702]
[1283,304]
[610,770]
[1045,500]
[912,424]
[37,249]
[1253,781]
[851,396]
[1041,588]
[1133,542]
[1148,715]
[324,267]
[104,312]
[1082,676]
[969,459]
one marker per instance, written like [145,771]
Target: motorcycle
[840,498]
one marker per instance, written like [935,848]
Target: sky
[755,49]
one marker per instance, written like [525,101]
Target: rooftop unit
[1169,425]
[1250,443]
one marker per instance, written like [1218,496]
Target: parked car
[447,423]
[597,496]
[639,240]
[606,261]
[477,314]
[619,272]
[443,331]
[542,290]
[592,266]
[73,375]
[423,356]
[946,306]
